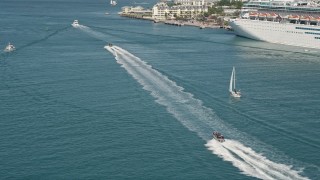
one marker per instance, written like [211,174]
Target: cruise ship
[281,22]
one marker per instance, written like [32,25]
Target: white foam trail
[92,33]
[200,119]
[263,167]
[227,155]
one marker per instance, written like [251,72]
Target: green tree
[214,10]
[224,3]
[237,4]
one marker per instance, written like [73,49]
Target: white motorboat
[75,23]
[232,87]
[9,48]
[113,2]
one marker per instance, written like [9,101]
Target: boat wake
[92,33]
[250,162]
[202,120]
[4,55]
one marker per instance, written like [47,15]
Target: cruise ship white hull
[301,35]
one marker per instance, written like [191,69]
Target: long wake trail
[4,55]
[202,120]
[92,33]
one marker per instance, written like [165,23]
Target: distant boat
[75,23]
[232,87]
[9,48]
[113,2]
[106,13]
[218,136]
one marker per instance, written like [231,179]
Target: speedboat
[9,48]
[218,136]
[75,23]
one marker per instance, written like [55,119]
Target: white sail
[232,86]
[234,78]
[231,81]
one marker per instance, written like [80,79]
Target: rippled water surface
[147,106]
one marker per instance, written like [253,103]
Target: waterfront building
[161,11]
[195,2]
[137,10]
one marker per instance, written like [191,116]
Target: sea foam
[197,118]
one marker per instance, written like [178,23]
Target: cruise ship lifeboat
[272,15]
[253,14]
[313,19]
[293,17]
[262,15]
[304,18]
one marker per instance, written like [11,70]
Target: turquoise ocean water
[146,107]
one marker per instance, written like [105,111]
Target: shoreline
[195,23]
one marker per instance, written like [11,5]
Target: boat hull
[307,36]
[9,48]
[219,140]
[237,95]
[75,25]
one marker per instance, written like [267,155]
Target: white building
[159,11]
[195,2]
[135,10]
[162,11]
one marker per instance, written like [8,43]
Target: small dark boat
[218,136]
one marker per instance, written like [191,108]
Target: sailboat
[232,87]
[113,2]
